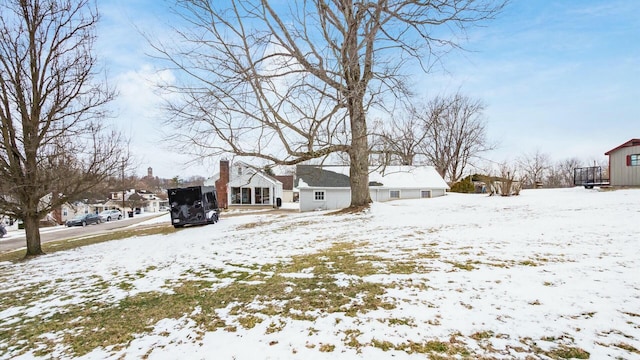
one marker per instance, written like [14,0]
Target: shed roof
[632,142]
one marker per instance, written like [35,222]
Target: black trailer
[589,177]
[194,205]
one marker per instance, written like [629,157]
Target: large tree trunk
[32,234]
[359,156]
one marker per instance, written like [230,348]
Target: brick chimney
[221,184]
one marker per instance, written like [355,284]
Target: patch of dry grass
[80,328]
[255,296]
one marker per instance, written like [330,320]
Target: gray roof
[316,176]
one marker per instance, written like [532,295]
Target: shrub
[464,186]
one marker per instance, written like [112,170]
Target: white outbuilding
[327,187]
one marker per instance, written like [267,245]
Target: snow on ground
[548,267]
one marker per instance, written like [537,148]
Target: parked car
[109,215]
[84,220]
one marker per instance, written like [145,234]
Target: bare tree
[398,142]
[454,133]
[195,180]
[561,173]
[565,170]
[534,167]
[293,81]
[136,201]
[502,179]
[54,146]
[554,176]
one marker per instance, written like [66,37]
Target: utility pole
[124,214]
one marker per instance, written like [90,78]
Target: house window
[394,194]
[240,196]
[262,196]
[318,195]
[634,160]
[235,195]
[65,212]
[239,170]
[246,195]
[425,194]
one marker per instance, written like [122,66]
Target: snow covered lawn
[548,274]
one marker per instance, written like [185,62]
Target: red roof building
[624,164]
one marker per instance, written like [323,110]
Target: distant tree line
[530,170]
[154,184]
[539,169]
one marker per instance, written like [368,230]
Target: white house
[69,211]
[66,211]
[243,185]
[152,202]
[328,187]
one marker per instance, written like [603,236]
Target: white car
[109,215]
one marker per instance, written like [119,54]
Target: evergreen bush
[464,186]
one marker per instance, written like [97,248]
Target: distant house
[624,164]
[147,202]
[65,211]
[328,187]
[287,187]
[68,211]
[243,185]
[152,203]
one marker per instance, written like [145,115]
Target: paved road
[17,240]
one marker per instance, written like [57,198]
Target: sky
[501,277]
[557,77]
